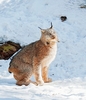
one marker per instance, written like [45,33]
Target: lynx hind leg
[22,79]
[22,73]
[45,75]
[38,76]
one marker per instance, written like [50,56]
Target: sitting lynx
[35,58]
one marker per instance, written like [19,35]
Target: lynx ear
[51,25]
[42,30]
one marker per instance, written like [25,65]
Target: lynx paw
[49,80]
[40,82]
[20,83]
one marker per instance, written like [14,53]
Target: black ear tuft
[51,25]
[40,28]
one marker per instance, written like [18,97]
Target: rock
[63,18]
[83,6]
[8,48]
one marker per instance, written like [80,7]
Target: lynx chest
[50,57]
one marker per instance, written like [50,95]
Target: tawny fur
[34,59]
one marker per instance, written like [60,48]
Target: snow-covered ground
[19,22]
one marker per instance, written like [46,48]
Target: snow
[19,22]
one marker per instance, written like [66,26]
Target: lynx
[35,58]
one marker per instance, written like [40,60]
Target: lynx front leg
[45,75]
[38,76]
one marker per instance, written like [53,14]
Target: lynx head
[49,35]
